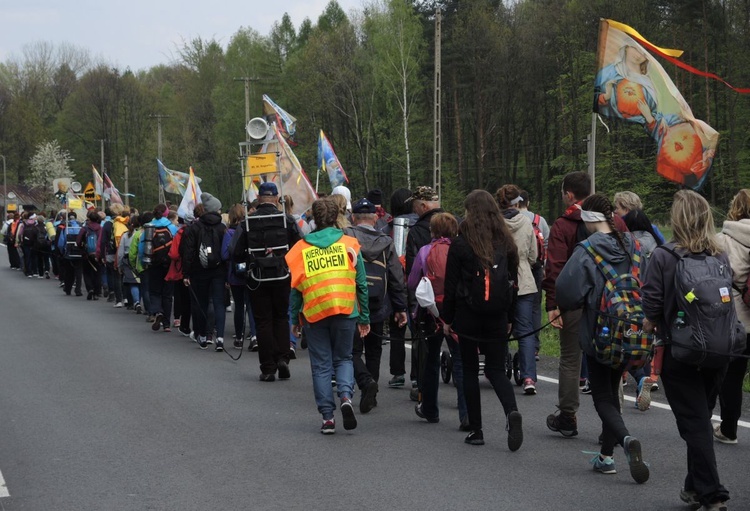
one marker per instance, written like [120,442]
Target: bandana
[516,200]
[592,216]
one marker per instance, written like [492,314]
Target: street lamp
[5,185]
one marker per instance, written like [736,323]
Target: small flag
[98,181]
[173,181]
[329,162]
[110,191]
[287,123]
[191,197]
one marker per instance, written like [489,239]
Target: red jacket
[175,266]
[563,238]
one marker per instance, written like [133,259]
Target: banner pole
[592,153]
[317,179]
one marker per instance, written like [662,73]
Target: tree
[48,163]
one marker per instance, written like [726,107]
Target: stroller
[512,367]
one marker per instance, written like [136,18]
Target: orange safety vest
[326,277]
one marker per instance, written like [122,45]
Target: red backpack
[434,269]
[540,250]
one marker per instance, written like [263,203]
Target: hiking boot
[690,497]
[638,469]
[421,415]
[563,423]
[515,431]
[475,438]
[219,344]
[367,401]
[283,368]
[721,437]
[643,400]
[529,387]
[397,382]
[157,321]
[347,411]
[328,427]
[604,464]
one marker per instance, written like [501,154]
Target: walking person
[481,272]
[161,231]
[690,390]
[326,259]
[238,283]
[88,240]
[735,239]
[580,285]
[130,281]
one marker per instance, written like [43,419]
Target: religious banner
[632,86]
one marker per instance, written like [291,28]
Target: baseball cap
[363,206]
[268,189]
[424,193]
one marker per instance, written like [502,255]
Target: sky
[138,34]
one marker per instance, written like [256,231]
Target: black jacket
[191,241]
[419,236]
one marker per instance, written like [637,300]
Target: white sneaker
[219,344]
[719,436]
[118,305]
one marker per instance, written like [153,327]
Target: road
[97,412]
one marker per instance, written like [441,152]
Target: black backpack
[490,290]
[377,281]
[209,248]
[264,236]
[30,235]
[161,242]
[712,334]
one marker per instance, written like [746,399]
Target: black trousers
[92,275]
[690,392]
[72,274]
[605,391]
[182,305]
[367,370]
[160,292]
[270,303]
[730,395]
[397,357]
[13,257]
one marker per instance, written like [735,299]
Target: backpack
[209,249]
[42,242]
[158,248]
[490,290]
[377,281]
[72,249]
[434,269]
[30,235]
[618,338]
[92,240]
[745,290]
[540,250]
[712,334]
[267,243]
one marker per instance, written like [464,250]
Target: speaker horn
[257,128]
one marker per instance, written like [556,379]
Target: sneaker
[690,498]
[138,308]
[397,382]
[716,506]
[219,344]
[369,393]
[40,276]
[157,321]
[529,387]
[30,276]
[176,323]
[283,368]
[475,438]
[563,423]
[604,464]
[464,426]
[118,305]
[328,427]
[149,318]
[46,275]
[238,343]
[582,382]
[638,469]
[654,386]
[586,388]
[421,415]
[267,377]
[187,333]
[347,411]
[643,400]
[167,329]
[515,432]
[414,394]
[536,355]
[721,437]
[292,352]
[209,340]
[202,342]
[111,298]
[414,384]
[253,344]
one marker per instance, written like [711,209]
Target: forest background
[517,95]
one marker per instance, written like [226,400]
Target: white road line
[3,488]
[655,404]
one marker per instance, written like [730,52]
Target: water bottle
[604,336]
[400,232]
[148,246]
[679,322]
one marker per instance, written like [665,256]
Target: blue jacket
[158,222]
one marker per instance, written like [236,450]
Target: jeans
[570,363]
[536,310]
[270,303]
[135,292]
[458,376]
[372,346]
[523,323]
[397,357]
[29,260]
[160,293]
[329,343]
[202,291]
[690,392]
[605,389]
[242,310]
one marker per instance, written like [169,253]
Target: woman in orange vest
[329,300]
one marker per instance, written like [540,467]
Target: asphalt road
[97,412]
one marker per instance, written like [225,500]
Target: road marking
[3,488]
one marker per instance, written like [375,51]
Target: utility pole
[247,80]
[437,158]
[127,189]
[101,146]
[158,118]
[5,188]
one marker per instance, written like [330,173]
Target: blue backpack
[92,240]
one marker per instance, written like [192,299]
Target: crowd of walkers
[347,274]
